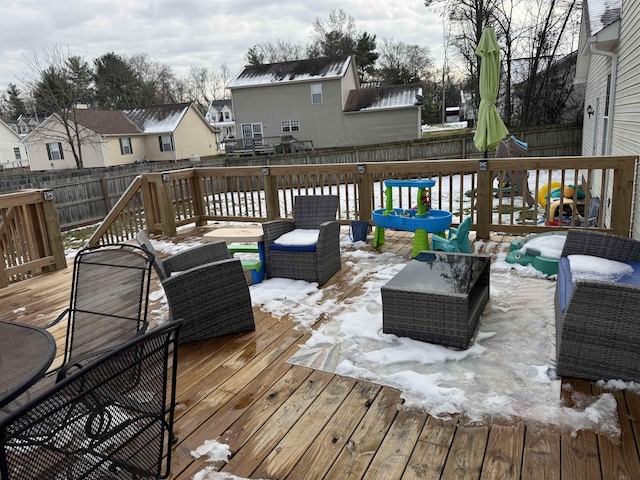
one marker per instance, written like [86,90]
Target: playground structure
[421,220]
[550,197]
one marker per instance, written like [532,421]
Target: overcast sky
[203,33]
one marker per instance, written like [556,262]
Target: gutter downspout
[612,90]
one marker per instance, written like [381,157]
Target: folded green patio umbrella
[490,129]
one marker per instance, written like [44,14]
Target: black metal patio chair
[108,303]
[111,419]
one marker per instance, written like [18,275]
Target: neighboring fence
[549,141]
[30,240]
[161,202]
[85,197]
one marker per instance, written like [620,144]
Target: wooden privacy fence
[162,202]
[30,240]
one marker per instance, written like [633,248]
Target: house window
[54,151]
[316,93]
[166,143]
[16,152]
[227,116]
[125,146]
[291,126]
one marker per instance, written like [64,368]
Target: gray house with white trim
[609,65]
[320,100]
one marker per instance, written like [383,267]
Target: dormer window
[227,116]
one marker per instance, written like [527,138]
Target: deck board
[287,421]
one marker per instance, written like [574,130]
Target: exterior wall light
[590,111]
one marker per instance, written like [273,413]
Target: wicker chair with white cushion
[317,255]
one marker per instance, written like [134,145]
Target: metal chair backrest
[310,211]
[111,419]
[109,298]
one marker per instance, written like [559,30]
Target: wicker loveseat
[597,320]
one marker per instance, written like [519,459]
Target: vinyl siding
[51,131]
[272,104]
[8,141]
[349,82]
[194,137]
[626,129]
[380,126]
[626,116]
[115,157]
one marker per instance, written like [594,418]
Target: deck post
[622,195]
[52,225]
[198,198]
[271,194]
[365,193]
[484,200]
[165,204]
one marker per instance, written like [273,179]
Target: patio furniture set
[109,407]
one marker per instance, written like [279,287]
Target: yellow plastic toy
[543,193]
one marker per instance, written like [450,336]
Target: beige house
[116,137]
[320,100]
[609,66]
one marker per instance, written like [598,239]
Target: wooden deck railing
[30,239]
[162,202]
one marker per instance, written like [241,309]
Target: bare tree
[203,86]
[401,62]
[549,40]
[280,50]
[59,81]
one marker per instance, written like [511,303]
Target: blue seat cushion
[292,248]
[565,281]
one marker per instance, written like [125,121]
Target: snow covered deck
[283,420]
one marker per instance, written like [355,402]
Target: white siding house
[13,152]
[320,101]
[609,64]
[220,116]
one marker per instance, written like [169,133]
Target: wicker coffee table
[438,297]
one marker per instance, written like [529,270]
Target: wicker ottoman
[438,297]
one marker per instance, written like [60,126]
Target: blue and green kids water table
[421,219]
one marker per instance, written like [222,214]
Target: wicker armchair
[597,332]
[111,419]
[206,288]
[316,263]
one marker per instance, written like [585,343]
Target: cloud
[192,32]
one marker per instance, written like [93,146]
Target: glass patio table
[26,352]
[438,298]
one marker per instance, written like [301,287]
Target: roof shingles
[384,97]
[296,71]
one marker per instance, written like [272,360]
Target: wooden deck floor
[285,421]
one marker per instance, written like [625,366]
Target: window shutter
[173,147]
[48,151]
[61,152]
[130,146]
[160,142]
[121,148]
